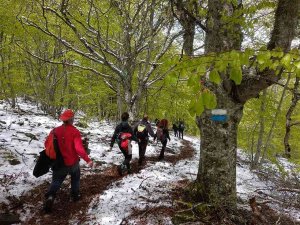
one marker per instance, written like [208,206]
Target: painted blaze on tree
[229,77]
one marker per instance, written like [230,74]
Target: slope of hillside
[107,197]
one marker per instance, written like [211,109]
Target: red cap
[66,115]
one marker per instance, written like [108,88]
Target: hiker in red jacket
[71,148]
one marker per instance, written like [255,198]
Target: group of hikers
[71,147]
[178,129]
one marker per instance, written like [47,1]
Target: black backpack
[141,132]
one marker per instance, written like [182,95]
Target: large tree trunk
[216,180]
[217,168]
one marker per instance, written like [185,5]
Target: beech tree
[226,77]
[124,41]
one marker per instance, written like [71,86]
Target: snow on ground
[136,191]
[151,184]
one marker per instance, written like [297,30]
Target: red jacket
[70,144]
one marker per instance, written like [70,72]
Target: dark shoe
[48,204]
[140,162]
[160,158]
[75,198]
[121,169]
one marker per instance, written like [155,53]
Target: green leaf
[278,53]
[263,57]
[183,72]
[244,59]
[172,78]
[234,55]
[196,88]
[192,108]
[286,60]
[200,70]
[297,64]
[236,75]
[249,52]
[209,100]
[297,71]
[221,64]
[214,76]
[193,80]
[199,106]
[274,65]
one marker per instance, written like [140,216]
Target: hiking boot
[75,197]
[161,158]
[120,169]
[48,204]
[140,162]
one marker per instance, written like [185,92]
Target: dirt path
[91,186]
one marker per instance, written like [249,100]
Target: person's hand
[90,164]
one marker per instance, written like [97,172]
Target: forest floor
[153,194]
[91,185]
[95,184]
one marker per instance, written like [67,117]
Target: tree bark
[261,129]
[119,101]
[217,168]
[288,124]
[188,24]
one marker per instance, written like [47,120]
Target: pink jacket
[70,144]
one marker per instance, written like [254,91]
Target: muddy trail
[92,185]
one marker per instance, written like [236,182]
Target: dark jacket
[175,127]
[123,127]
[166,135]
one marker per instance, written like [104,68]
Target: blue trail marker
[219,115]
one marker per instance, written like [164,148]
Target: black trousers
[59,176]
[180,134]
[142,150]
[127,159]
[175,132]
[162,151]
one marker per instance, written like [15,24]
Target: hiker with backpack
[69,148]
[162,134]
[123,134]
[175,129]
[181,129]
[142,130]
